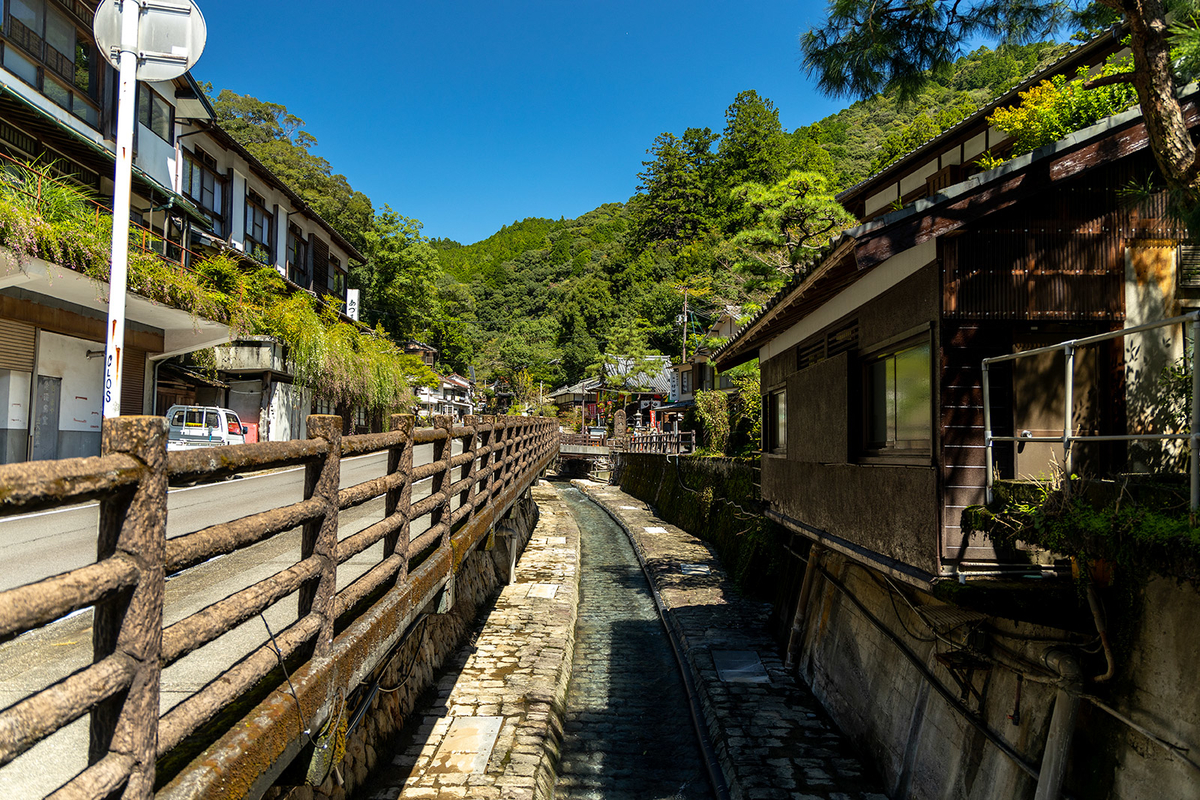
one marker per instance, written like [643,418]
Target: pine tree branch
[1109,80]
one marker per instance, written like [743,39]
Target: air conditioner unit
[241,248]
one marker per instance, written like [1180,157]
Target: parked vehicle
[203,426]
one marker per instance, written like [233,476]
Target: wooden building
[871,361]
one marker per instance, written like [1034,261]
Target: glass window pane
[20,66]
[779,402]
[60,34]
[177,419]
[86,112]
[913,395]
[161,120]
[878,407]
[29,13]
[58,93]
[144,106]
[85,77]
[211,420]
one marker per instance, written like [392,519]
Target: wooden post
[321,480]
[442,452]
[134,524]
[471,445]
[484,445]
[399,501]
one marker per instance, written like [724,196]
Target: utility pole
[685,325]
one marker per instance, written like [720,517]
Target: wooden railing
[680,443]
[501,457]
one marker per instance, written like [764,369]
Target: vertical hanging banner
[352,304]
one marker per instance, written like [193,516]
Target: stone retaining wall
[416,664]
[716,500]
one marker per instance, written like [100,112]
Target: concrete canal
[627,729]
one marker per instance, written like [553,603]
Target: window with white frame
[155,113]
[204,186]
[260,227]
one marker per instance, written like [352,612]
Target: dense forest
[726,216]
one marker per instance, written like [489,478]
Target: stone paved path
[510,684]
[628,734]
[772,738]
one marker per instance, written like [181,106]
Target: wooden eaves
[860,249]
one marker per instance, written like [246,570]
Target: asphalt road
[36,546]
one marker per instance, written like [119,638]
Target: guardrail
[1069,436]
[120,688]
[674,443]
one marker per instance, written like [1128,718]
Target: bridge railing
[678,443]
[338,628]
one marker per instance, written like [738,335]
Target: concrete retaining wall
[924,748]
[717,501]
[416,665]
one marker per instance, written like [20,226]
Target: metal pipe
[1062,723]
[987,433]
[1068,419]
[1195,441]
[1100,337]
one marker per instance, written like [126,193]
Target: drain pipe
[800,619]
[1062,722]
[715,776]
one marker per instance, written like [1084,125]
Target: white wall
[80,398]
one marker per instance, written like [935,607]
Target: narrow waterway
[628,729]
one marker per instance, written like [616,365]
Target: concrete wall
[822,482]
[14,425]
[80,400]
[925,748]
[390,715]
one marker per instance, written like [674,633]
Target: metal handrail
[1069,437]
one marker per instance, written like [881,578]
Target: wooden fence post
[134,524]
[443,450]
[321,480]
[400,460]
[471,445]
[496,482]
[484,442]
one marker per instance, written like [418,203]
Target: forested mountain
[726,215]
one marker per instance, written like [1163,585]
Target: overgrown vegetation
[1140,526]
[59,223]
[1056,108]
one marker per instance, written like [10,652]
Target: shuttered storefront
[16,346]
[133,381]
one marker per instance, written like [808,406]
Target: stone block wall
[716,500]
[415,665]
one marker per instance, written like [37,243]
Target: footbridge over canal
[235,733]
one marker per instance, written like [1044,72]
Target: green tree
[398,276]
[627,365]
[867,46]
[277,138]
[794,218]
[676,187]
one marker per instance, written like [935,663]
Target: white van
[203,426]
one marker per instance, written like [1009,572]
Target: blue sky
[470,115]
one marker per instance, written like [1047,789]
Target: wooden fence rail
[682,442]
[470,491]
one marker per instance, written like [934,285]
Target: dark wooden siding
[1060,255]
